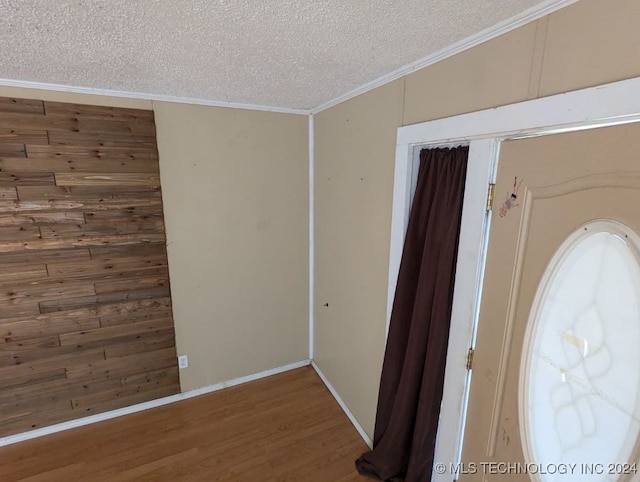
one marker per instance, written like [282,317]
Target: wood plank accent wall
[85,308]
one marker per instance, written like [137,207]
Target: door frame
[605,105]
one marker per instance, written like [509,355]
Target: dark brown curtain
[414,362]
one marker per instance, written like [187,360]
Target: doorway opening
[608,105]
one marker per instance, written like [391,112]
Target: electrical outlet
[183,361]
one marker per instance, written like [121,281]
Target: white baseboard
[40,432]
[343,405]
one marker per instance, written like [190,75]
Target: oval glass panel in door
[580,371]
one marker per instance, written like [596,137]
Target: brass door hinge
[491,192]
[470,354]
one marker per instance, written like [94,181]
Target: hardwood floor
[286,427]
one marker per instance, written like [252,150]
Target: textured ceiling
[285,53]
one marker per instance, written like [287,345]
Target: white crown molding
[146,96]
[40,432]
[545,8]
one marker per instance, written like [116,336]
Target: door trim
[605,105]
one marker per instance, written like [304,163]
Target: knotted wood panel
[85,307]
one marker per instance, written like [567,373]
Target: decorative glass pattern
[580,379]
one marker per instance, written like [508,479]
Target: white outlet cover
[183,361]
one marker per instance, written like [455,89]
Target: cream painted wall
[357,139]
[590,43]
[491,74]
[235,193]
[587,43]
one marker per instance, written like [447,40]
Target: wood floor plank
[282,428]
[69,472]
